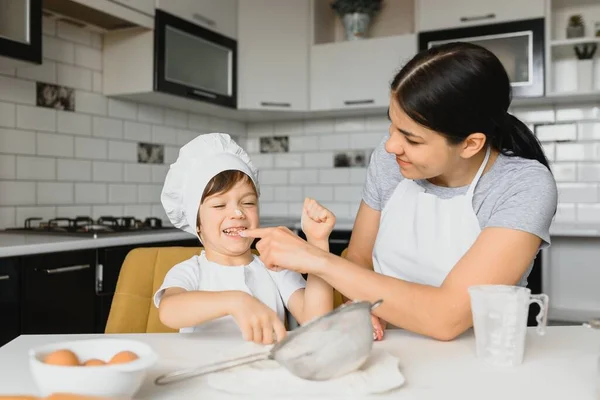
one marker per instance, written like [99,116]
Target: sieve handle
[188,373]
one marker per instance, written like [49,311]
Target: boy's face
[219,223]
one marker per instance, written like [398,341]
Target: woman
[461,195]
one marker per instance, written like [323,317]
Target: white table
[561,365]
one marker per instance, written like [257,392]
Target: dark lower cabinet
[9,299]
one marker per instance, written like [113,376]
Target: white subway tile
[103,171]
[74,170]
[577,192]
[535,115]
[90,148]
[323,125]
[88,57]
[73,33]
[74,123]
[340,210]
[273,177]
[138,173]
[261,161]
[378,123]
[360,141]
[252,145]
[38,118]
[122,151]
[290,128]
[260,129]
[48,26]
[58,50]
[348,193]
[7,218]
[575,113]
[75,77]
[559,132]
[73,211]
[164,135]
[17,193]
[107,127]
[588,172]
[304,176]
[217,124]
[318,160]
[287,160]
[140,212]
[152,114]
[17,142]
[51,144]
[122,109]
[574,152]
[549,150]
[347,124]
[268,209]
[17,90]
[45,213]
[236,128]
[295,209]
[304,143]
[137,131]
[149,193]
[354,210]
[198,122]
[267,193]
[589,131]
[319,193]
[45,72]
[91,103]
[8,115]
[106,211]
[97,82]
[334,142]
[97,40]
[564,172]
[159,212]
[159,173]
[122,194]
[185,136]
[288,193]
[176,118]
[338,176]
[171,154]
[36,168]
[90,193]
[54,193]
[358,175]
[589,213]
[8,167]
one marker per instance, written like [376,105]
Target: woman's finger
[247,331]
[279,329]
[257,333]
[267,332]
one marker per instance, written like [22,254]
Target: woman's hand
[317,221]
[281,248]
[258,323]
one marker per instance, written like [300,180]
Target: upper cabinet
[273,48]
[217,15]
[444,14]
[20,33]
[145,6]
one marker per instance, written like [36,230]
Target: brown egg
[123,357]
[62,357]
[94,362]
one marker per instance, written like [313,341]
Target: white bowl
[118,380]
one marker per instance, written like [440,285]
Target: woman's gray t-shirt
[514,193]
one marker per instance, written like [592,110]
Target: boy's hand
[379,325]
[258,322]
[317,221]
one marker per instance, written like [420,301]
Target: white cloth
[199,161]
[198,273]
[421,236]
[380,374]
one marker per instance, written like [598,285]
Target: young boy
[212,191]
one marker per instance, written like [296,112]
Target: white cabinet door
[273,49]
[443,14]
[145,6]
[217,15]
[357,74]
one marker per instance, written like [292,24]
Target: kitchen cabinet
[444,14]
[356,74]
[145,6]
[9,299]
[273,49]
[20,33]
[219,16]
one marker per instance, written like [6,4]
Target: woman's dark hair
[460,88]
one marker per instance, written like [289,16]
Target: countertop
[563,364]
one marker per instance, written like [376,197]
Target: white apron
[421,237]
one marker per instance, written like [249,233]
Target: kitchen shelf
[573,42]
[554,98]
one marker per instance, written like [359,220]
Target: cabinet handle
[203,19]
[274,104]
[357,102]
[99,278]
[339,241]
[4,277]
[478,17]
[66,269]
[200,93]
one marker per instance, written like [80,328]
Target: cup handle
[542,317]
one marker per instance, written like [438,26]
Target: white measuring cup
[500,321]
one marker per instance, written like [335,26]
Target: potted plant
[356,16]
[575,28]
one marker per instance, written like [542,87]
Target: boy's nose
[238,213]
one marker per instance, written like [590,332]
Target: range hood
[98,15]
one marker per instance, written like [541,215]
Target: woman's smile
[402,163]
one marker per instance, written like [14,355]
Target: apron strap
[471,189]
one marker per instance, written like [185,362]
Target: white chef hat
[199,161]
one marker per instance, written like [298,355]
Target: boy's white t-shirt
[198,273]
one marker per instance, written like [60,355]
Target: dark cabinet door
[59,293]
[9,299]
